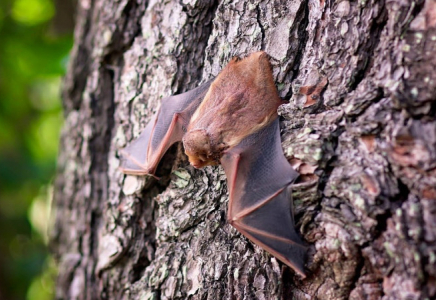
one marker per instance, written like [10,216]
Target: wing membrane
[260,204]
[167,127]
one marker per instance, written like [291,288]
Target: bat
[233,121]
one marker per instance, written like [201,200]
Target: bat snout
[201,161]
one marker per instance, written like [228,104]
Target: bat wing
[166,127]
[260,206]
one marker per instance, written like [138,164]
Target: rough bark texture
[360,128]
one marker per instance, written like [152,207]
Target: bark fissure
[75,81]
[367,51]
[262,29]
[303,37]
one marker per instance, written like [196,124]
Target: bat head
[198,148]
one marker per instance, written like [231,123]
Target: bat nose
[198,163]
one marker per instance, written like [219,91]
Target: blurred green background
[35,40]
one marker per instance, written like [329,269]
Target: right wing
[260,206]
[166,127]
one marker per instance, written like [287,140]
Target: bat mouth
[198,165]
[199,160]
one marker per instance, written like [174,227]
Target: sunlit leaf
[32,12]
[44,94]
[42,287]
[39,212]
[44,138]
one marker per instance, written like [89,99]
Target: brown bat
[232,120]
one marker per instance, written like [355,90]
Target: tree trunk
[359,127]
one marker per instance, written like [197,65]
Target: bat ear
[261,55]
[235,59]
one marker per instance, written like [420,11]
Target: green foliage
[32,61]
[32,12]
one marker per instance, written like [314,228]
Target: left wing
[166,127]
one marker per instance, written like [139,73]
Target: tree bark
[359,127]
